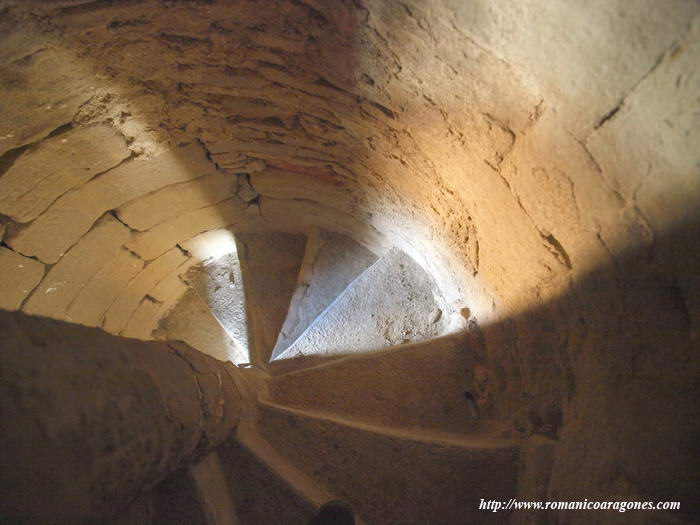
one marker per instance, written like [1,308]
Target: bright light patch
[211,245]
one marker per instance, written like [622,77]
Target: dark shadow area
[173,502]
[607,375]
[261,496]
[610,371]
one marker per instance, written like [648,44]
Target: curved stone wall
[538,158]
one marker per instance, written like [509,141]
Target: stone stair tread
[261,493]
[270,264]
[285,495]
[393,301]
[213,492]
[476,441]
[395,476]
[219,284]
[297,480]
[388,387]
[284,366]
[331,263]
[192,321]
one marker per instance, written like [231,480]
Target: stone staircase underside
[390,303]
[270,264]
[331,263]
[359,396]
[390,476]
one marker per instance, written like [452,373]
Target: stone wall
[538,158]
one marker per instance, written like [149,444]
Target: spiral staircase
[354,390]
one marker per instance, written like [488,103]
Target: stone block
[354,460]
[388,388]
[72,215]
[66,279]
[327,189]
[44,88]
[57,164]
[143,320]
[128,300]
[18,277]
[211,244]
[169,202]
[159,239]
[163,291]
[103,288]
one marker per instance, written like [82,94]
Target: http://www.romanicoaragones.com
[620,506]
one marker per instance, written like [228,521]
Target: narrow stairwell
[356,391]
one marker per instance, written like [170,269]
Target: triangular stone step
[389,476]
[270,264]
[264,487]
[219,284]
[428,384]
[191,321]
[331,263]
[392,302]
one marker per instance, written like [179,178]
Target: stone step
[266,489]
[392,302]
[191,321]
[175,501]
[270,264]
[331,263]
[391,476]
[219,284]
[213,491]
[427,384]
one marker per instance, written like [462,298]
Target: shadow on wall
[610,371]
[607,375]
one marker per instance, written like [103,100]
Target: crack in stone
[114,214]
[8,158]
[216,417]
[182,250]
[74,188]
[38,285]
[645,223]
[555,247]
[87,282]
[610,114]
[200,431]
[659,60]
[639,217]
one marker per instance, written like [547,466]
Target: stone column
[88,421]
